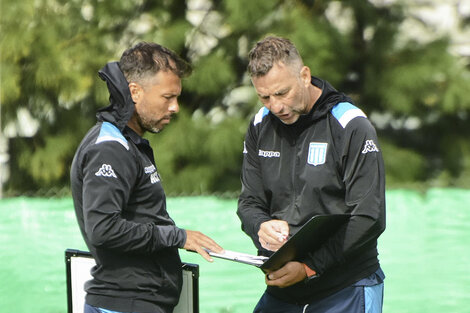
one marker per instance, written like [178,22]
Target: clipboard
[309,238]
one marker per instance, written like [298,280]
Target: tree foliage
[51,50]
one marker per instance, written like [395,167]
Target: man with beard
[119,200]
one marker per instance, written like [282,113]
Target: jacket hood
[328,99]
[121,107]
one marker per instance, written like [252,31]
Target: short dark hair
[146,59]
[268,52]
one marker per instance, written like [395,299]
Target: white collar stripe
[345,112]
[109,132]
[111,138]
[260,115]
[350,115]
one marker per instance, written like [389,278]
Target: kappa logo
[369,146]
[106,171]
[269,154]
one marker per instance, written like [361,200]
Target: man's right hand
[197,241]
[273,234]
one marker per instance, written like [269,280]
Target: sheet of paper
[240,257]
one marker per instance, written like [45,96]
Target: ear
[136,91]
[306,75]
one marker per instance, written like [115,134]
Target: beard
[149,125]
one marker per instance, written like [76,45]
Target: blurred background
[406,64]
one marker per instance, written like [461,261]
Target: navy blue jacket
[120,206]
[328,162]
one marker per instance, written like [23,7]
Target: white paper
[239,257]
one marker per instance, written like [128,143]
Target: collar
[134,137]
[142,144]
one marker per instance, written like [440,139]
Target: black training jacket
[327,162]
[121,211]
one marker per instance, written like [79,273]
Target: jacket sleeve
[252,204]
[364,181]
[109,174]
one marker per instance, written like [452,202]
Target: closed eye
[281,92]
[169,97]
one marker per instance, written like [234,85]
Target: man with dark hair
[119,200]
[309,151]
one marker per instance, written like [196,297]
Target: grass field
[424,252]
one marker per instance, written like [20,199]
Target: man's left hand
[197,241]
[289,274]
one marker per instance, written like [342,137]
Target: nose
[174,106]
[275,106]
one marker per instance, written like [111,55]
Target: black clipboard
[309,238]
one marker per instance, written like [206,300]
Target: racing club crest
[317,153]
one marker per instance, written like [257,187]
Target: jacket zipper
[294,174]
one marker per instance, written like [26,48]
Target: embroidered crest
[317,153]
[369,146]
[106,171]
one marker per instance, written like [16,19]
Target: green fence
[425,253]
